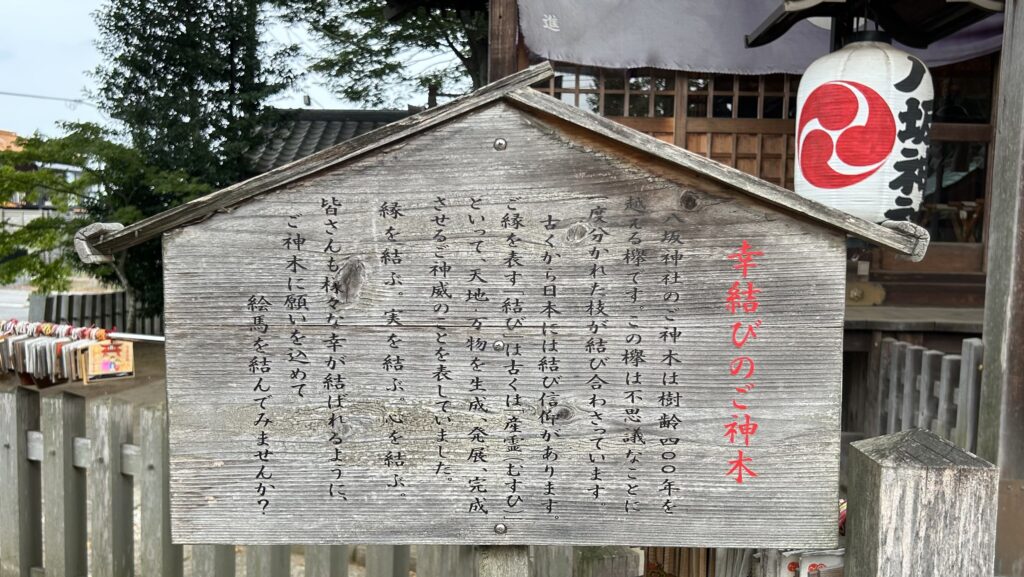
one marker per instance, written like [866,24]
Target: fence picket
[884,363]
[159,558]
[110,492]
[267,560]
[387,561]
[213,561]
[63,419]
[946,413]
[896,356]
[327,561]
[970,392]
[928,401]
[21,532]
[908,381]
[445,561]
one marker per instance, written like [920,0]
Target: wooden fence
[104,310]
[926,389]
[70,473]
[84,491]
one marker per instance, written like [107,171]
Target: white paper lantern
[863,117]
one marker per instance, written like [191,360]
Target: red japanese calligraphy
[744,258]
[740,468]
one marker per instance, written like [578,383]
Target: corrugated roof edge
[515,88]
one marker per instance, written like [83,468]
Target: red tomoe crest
[846,133]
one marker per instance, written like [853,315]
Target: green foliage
[188,80]
[116,184]
[370,59]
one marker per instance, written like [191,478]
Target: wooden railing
[927,389]
[70,471]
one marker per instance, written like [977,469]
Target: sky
[46,49]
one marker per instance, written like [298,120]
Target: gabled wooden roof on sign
[516,90]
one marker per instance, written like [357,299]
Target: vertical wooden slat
[110,492]
[885,349]
[681,104]
[911,371]
[945,416]
[63,419]
[267,560]
[387,561]
[504,561]
[552,561]
[329,561]
[445,561]
[896,350]
[159,558]
[21,532]
[970,390]
[931,366]
[504,29]
[213,561]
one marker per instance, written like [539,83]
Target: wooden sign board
[501,331]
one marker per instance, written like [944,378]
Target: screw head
[500,144]
[499,345]
[500,529]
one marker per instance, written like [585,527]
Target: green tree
[370,58]
[189,81]
[115,183]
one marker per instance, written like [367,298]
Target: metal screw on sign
[499,346]
[500,529]
[500,144]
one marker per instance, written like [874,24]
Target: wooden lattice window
[737,96]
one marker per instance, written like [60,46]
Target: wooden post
[503,561]
[327,561]
[213,561]
[501,38]
[1001,428]
[110,491]
[21,533]
[553,561]
[446,561]
[63,419]
[919,506]
[159,558]
[268,560]
[387,561]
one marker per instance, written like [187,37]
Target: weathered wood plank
[970,392]
[553,561]
[897,360]
[503,561]
[503,25]
[327,561]
[387,560]
[928,397]
[446,561]
[63,419]
[945,417]
[158,556]
[110,492]
[909,382]
[1001,438]
[919,506]
[267,560]
[885,362]
[21,534]
[214,267]
[213,561]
